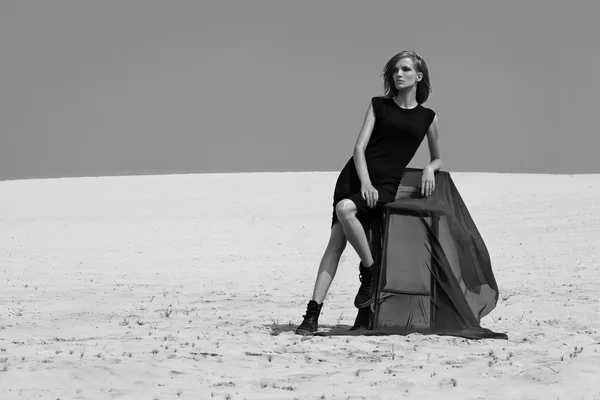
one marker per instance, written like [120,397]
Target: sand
[190,287]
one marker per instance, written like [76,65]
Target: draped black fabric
[435,271]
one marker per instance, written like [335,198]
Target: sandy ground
[190,287]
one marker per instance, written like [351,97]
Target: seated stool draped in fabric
[435,271]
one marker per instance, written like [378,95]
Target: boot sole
[364,305]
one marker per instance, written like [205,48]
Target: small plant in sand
[494,358]
[305,338]
[188,311]
[339,319]
[276,385]
[4,364]
[506,295]
[17,312]
[509,357]
[124,322]
[166,312]
[154,351]
[392,353]
[576,351]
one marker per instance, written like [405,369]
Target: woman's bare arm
[427,185]
[361,144]
[434,146]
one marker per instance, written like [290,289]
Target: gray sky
[144,86]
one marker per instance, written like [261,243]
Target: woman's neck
[407,99]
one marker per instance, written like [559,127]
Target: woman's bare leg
[354,231]
[329,262]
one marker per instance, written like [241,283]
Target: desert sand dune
[190,287]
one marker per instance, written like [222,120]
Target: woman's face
[405,76]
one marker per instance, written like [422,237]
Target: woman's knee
[345,209]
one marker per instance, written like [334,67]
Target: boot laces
[366,284]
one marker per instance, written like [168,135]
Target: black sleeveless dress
[396,137]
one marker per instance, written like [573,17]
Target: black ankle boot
[311,319]
[369,278]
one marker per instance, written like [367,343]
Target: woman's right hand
[369,194]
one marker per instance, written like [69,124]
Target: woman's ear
[419,76]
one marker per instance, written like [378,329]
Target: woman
[392,131]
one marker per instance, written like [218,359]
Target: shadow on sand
[324,330]
[347,330]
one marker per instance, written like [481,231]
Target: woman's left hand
[427,182]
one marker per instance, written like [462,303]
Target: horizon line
[163,173]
